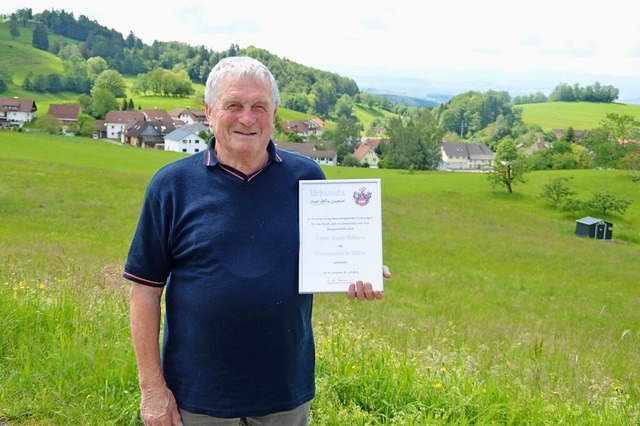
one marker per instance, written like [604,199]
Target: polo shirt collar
[211,159]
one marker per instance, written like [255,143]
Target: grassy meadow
[579,115]
[496,314]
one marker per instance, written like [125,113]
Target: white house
[189,116]
[309,149]
[366,152]
[186,139]
[467,156]
[115,122]
[304,128]
[16,111]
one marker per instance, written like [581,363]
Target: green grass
[579,115]
[366,115]
[22,57]
[496,312]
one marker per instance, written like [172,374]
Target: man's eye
[234,107]
[260,108]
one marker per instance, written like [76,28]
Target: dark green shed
[593,227]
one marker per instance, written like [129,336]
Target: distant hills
[441,85]
[403,99]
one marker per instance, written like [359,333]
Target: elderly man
[219,232]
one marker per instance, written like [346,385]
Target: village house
[157,115]
[304,128]
[146,134]
[189,116]
[65,114]
[460,156]
[102,129]
[578,135]
[310,150]
[366,152]
[536,147]
[186,139]
[115,123]
[16,111]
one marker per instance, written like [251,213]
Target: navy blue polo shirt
[237,338]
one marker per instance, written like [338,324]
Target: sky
[397,39]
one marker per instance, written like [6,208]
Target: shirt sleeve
[148,261]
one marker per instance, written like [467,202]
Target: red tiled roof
[64,112]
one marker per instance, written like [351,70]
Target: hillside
[496,311]
[21,58]
[579,115]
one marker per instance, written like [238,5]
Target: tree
[86,125]
[40,84]
[40,39]
[509,168]
[620,126]
[85,102]
[605,201]
[142,84]
[48,123]
[414,142]
[631,162]
[346,137]
[112,81]
[5,76]
[344,106]
[102,101]
[54,83]
[607,150]
[27,84]
[96,66]
[350,161]
[556,190]
[14,31]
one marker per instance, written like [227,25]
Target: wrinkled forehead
[245,88]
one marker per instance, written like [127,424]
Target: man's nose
[247,116]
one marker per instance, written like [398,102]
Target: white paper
[340,234]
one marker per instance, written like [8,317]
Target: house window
[184,149]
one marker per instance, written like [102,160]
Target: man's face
[242,118]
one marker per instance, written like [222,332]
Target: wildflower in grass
[438,385]
[429,368]
[443,369]
[41,286]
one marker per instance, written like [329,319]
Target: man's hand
[362,290]
[158,408]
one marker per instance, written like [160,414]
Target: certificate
[340,234]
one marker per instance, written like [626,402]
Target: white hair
[238,67]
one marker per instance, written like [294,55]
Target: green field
[497,313]
[579,115]
[22,57]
